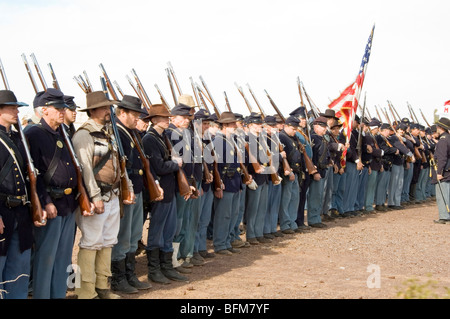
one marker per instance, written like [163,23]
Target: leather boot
[167,267]
[130,273]
[154,267]
[119,281]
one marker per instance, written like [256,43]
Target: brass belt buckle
[68,191]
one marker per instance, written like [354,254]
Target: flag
[346,104]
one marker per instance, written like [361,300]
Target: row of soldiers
[263,172]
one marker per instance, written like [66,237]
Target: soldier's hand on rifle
[359,166]
[91,212]
[161,191]
[283,154]
[99,207]
[439,177]
[131,201]
[43,221]
[260,170]
[178,160]
[317,176]
[51,210]
[2,226]
[218,193]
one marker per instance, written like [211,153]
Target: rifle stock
[183,184]
[125,186]
[36,208]
[149,180]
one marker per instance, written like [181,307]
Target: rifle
[313,107]
[150,182]
[424,118]
[83,198]
[172,72]
[55,81]
[137,91]
[146,99]
[172,89]
[359,144]
[210,96]
[36,208]
[2,71]
[226,101]
[424,157]
[124,180]
[163,99]
[202,100]
[30,74]
[300,91]
[308,162]
[38,70]
[243,96]
[183,184]
[194,90]
[256,101]
[118,88]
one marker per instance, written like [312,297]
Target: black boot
[118,280]
[167,267]
[154,267]
[130,267]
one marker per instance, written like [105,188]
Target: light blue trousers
[256,211]
[130,231]
[371,187]
[351,187]
[53,257]
[407,178]
[205,218]
[273,207]
[226,211]
[13,265]
[395,185]
[315,201]
[290,197]
[443,199]
[382,187]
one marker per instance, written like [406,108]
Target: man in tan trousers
[95,147]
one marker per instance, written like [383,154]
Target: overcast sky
[266,44]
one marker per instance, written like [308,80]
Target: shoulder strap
[55,159]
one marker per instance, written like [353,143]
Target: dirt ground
[367,257]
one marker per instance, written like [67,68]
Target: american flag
[346,104]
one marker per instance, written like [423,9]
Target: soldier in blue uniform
[388,157]
[56,186]
[163,223]
[375,164]
[274,190]
[70,115]
[123,262]
[353,166]
[396,180]
[441,178]
[256,201]
[304,138]
[226,201]
[290,191]
[321,159]
[202,121]
[16,236]
[182,138]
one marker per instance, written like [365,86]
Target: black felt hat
[7,97]
[131,103]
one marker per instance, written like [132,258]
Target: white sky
[264,43]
